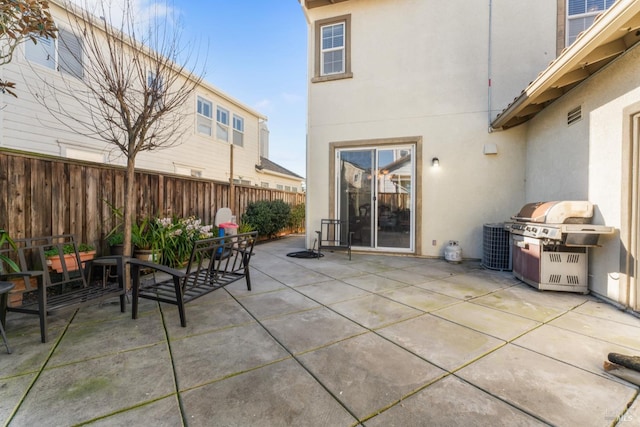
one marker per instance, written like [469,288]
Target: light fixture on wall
[435,162]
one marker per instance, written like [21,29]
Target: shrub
[267,217]
[296,219]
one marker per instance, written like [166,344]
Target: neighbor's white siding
[421,69]
[27,125]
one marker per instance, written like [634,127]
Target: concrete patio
[376,341]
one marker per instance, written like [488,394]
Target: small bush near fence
[296,219]
[267,217]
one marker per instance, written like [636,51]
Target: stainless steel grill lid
[559,212]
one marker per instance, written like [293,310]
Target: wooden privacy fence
[42,196]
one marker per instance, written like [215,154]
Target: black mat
[305,254]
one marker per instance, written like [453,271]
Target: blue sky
[256,53]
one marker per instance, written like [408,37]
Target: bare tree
[128,84]
[21,20]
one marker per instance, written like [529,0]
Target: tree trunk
[129,213]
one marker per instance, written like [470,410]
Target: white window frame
[238,130]
[222,123]
[584,17]
[187,170]
[204,121]
[330,50]
[155,85]
[64,53]
[320,74]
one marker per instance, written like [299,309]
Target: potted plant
[4,258]
[115,237]
[54,256]
[176,237]
[115,240]
[145,239]
[9,266]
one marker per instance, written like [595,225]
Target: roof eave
[601,42]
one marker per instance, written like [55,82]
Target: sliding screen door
[375,196]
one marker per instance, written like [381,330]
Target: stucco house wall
[426,79]
[585,160]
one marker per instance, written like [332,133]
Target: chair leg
[4,337]
[3,308]
[42,311]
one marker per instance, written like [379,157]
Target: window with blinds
[64,53]
[581,14]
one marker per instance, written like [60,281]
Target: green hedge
[267,217]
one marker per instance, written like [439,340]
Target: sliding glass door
[376,196]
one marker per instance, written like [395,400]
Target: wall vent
[574,115]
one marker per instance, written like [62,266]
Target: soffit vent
[574,115]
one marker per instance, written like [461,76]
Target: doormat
[305,254]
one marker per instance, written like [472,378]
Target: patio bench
[213,264]
[46,292]
[333,235]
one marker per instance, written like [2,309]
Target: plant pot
[147,255]
[55,262]
[15,294]
[116,249]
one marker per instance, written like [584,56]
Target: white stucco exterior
[425,79]
[421,72]
[585,160]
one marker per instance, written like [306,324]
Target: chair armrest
[25,274]
[157,267]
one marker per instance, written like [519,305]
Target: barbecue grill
[550,243]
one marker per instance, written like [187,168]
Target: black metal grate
[496,244]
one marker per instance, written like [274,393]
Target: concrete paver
[558,393]
[452,402]
[377,341]
[368,373]
[441,342]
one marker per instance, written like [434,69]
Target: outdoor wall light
[435,162]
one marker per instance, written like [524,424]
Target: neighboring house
[432,78]
[272,175]
[218,120]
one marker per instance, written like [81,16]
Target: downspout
[489,71]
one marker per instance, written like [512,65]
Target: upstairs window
[204,117]
[332,47]
[238,131]
[222,128]
[581,14]
[332,50]
[63,53]
[155,88]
